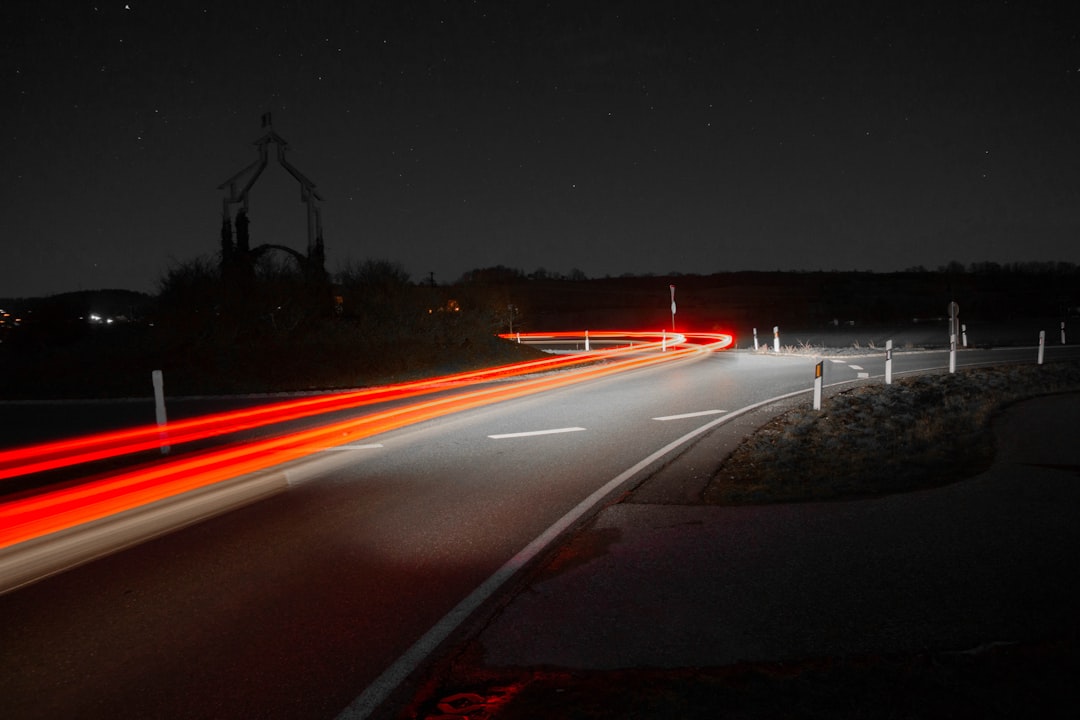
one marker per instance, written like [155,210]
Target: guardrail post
[819,370]
[1042,345]
[159,409]
[888,362]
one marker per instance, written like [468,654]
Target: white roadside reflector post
[954,333]
[1042,345]
[586,341]
[663,341]
[672,308]
[1062,332]
[755,339]
[519,338]
[776,338]
[818,372]
[159,409]
[963,335]
[888,362]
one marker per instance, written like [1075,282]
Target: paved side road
[656,584]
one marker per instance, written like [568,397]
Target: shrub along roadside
[878,439]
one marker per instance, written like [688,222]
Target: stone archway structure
[237,254]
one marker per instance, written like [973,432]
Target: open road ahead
[295,605]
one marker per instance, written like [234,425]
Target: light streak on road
[48,511]
[65,453]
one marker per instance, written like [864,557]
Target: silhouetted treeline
[989,292]
[377,324]
[1014,268]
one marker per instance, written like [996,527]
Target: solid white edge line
[530,433]
[388,681]
[700,413]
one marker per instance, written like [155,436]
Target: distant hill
[113,303]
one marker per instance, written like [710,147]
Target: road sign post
[888,362]
[819,370]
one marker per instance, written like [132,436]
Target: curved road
[295,605]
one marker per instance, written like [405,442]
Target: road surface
[294,605]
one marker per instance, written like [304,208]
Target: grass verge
[879,439]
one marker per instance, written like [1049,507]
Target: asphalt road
[294,605]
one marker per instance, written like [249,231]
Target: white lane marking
[377,692]
[352,447]
[855,367]
[700,413]
[838,361]
[530,433]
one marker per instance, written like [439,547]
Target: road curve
[295,605]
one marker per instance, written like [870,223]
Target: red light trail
[51,510]
[64,453]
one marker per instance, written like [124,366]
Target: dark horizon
[1032,267]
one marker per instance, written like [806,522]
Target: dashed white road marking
[699,413]
[838,361]
[376,693]
[855,367]
[530,433]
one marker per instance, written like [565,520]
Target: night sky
[608,137]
